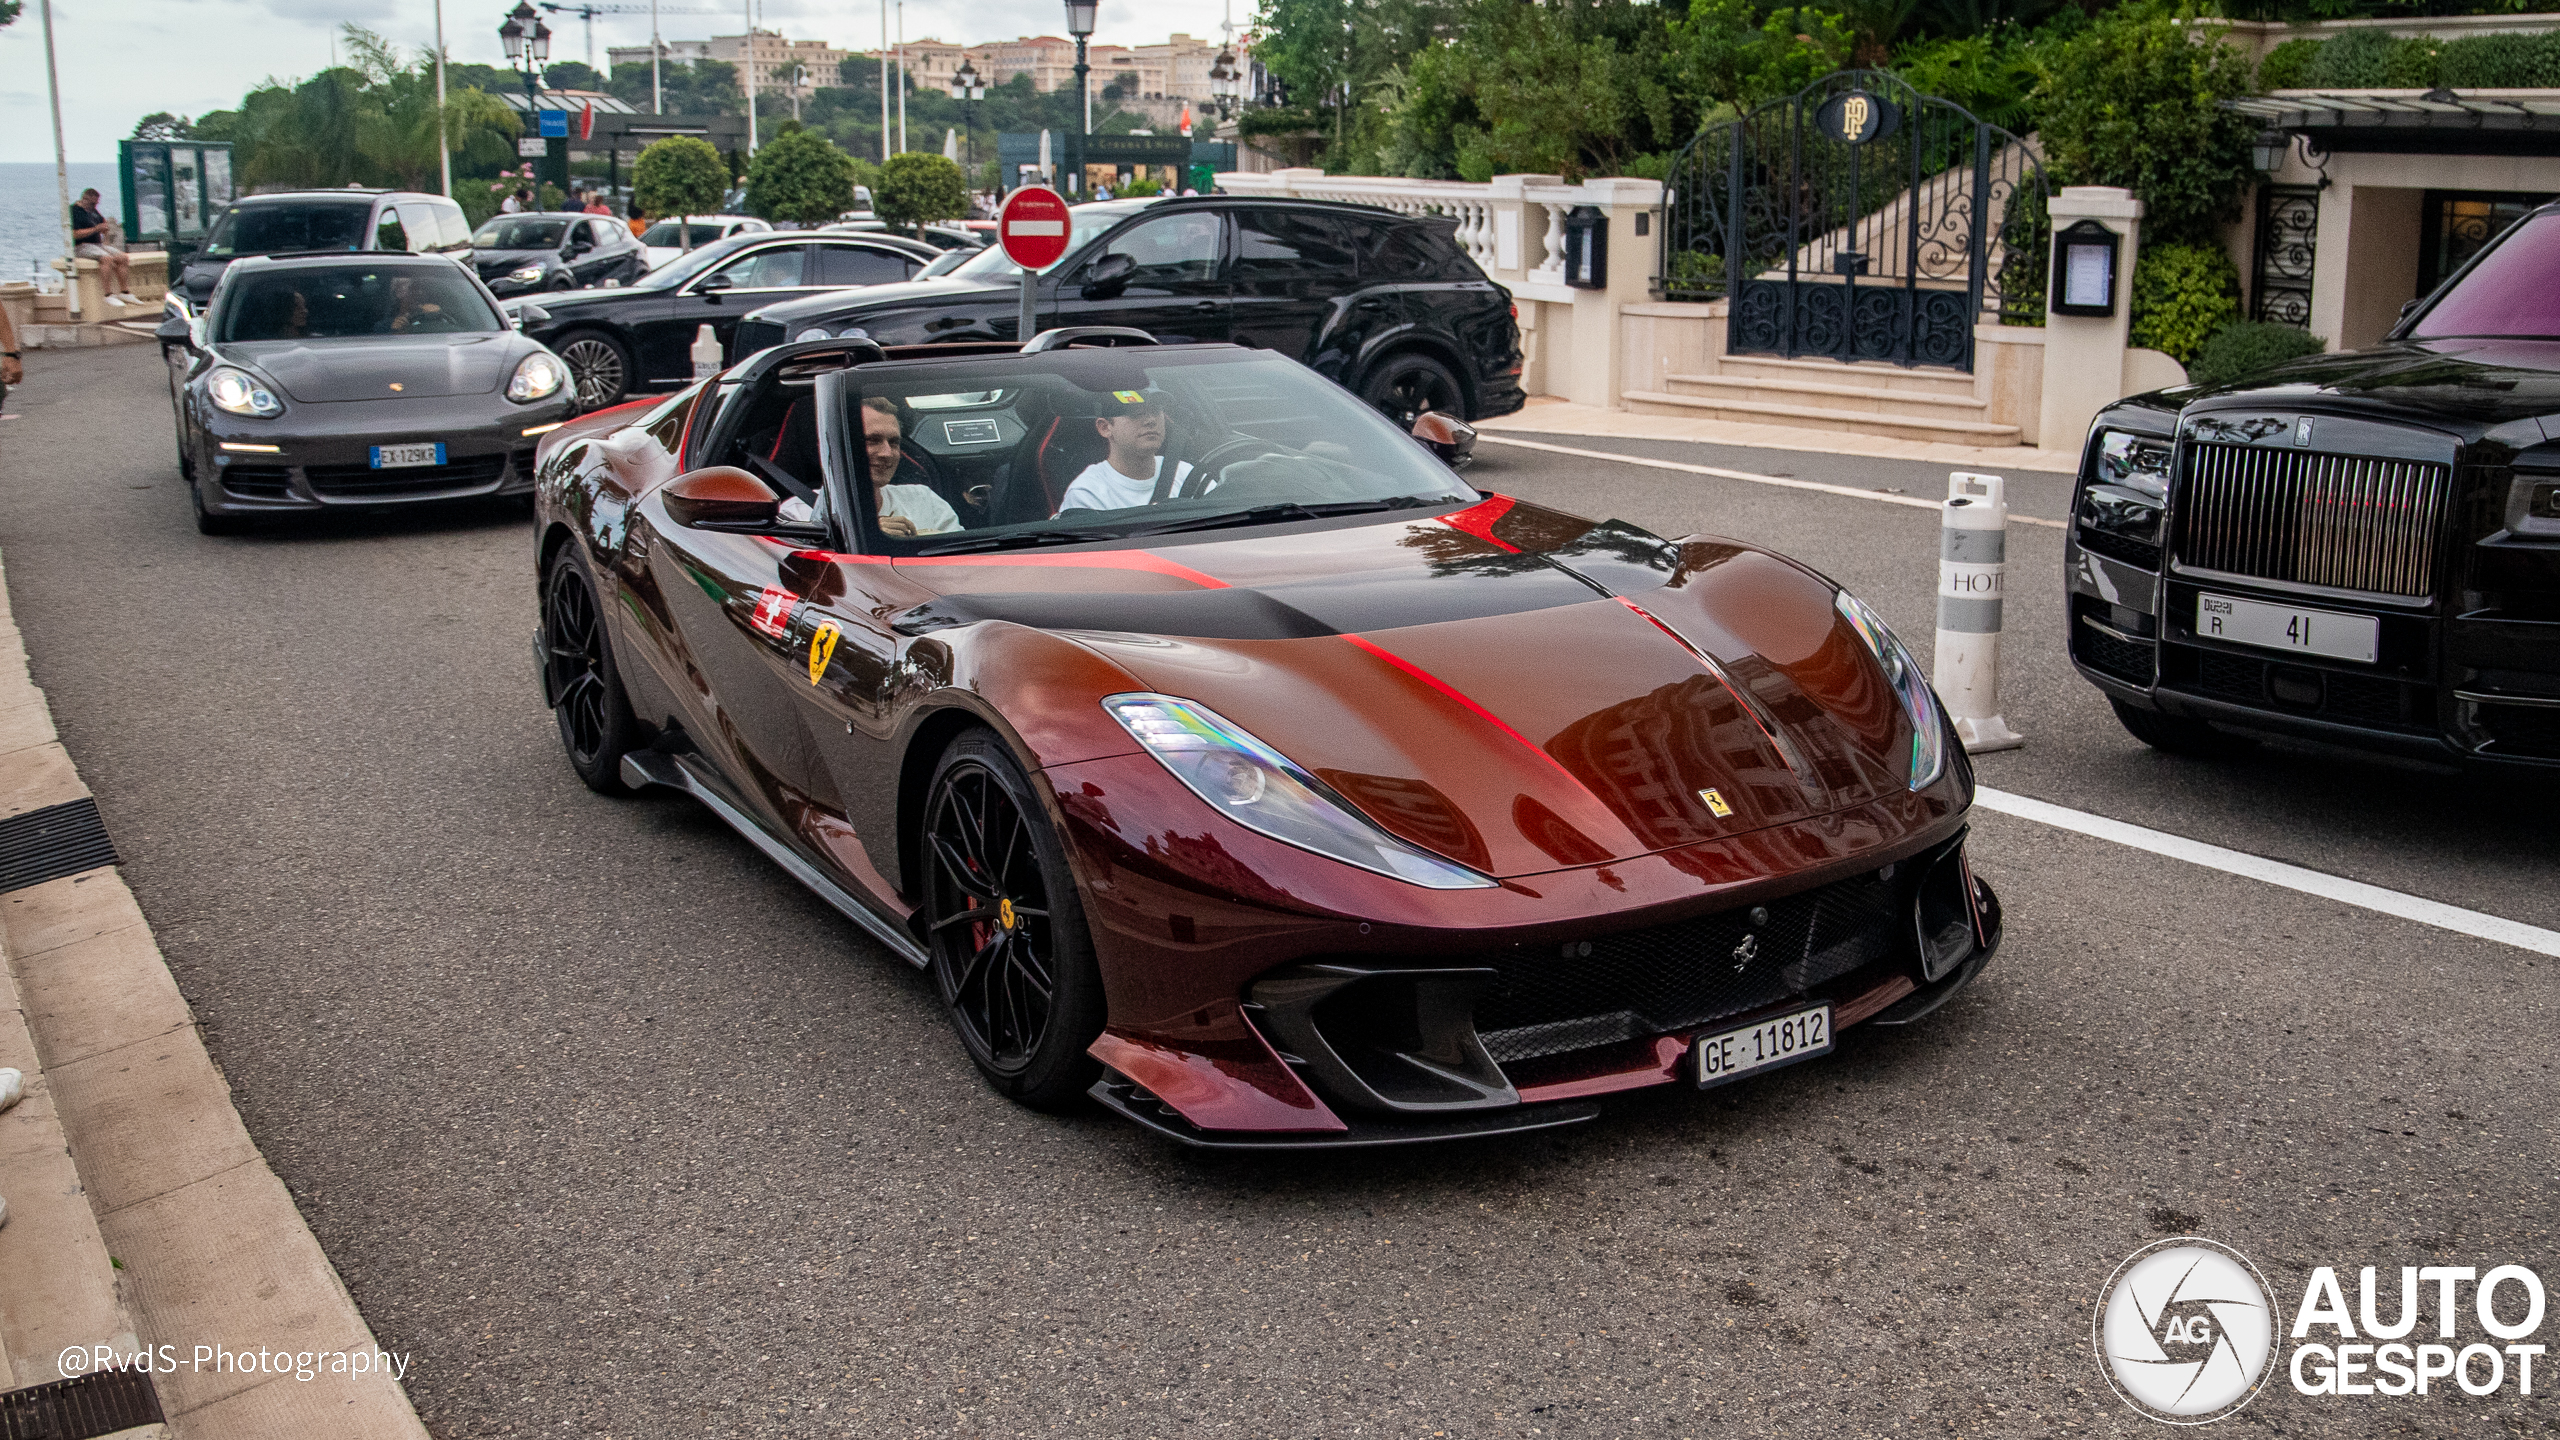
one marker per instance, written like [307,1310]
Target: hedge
[2248,347]
[2182,294]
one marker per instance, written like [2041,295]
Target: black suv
[297,220]
[2360,548]
[1386,305]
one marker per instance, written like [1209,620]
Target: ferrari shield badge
[772,615]
[1716,803]
[822,648]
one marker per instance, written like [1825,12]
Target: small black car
[1386,305]
[295,220]
[329,381]
[546,250]
[2360,548]
[639,337]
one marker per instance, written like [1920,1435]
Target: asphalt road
[622,1134]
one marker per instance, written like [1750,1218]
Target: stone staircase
[1868,399]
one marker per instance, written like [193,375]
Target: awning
[2419,122]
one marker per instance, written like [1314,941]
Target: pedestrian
[639,222]
[516,204]
[95,237]
[11,372]
[596,205]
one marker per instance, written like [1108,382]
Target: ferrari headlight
[1928,727]
[537,375]
[1259,788]
[525,274]
[239,393]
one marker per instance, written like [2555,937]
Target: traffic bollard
[1973,542]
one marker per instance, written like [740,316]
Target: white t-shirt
[1102,488]
[919,503]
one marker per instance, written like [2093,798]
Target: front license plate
[393,457]
[1763,1045]
[2281,627]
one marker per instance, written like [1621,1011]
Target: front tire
[1011,957]
[597,727]
[1403,386]
[2176,734]
[599,365]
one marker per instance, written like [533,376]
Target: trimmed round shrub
[2182,294]
[2245,348]
[2356,60]
[2287,64]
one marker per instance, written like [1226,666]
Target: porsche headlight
[525,274]
[1259,788]
[537,376]
[239,393]
[1928,727]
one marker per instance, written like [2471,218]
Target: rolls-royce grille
[2346,522]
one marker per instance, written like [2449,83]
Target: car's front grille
[362,480]
[257,482]
[2345,522]
[2368,700]
[2127,660]
[2531,731]
[1671,977]
[2118,547]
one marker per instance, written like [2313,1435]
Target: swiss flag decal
[772,615]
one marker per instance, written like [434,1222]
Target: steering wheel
[1224,454]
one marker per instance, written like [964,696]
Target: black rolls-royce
[2361,548]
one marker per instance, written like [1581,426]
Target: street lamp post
[1222,85]
[528,45]
[968,87]
[799,80]
[1080,25]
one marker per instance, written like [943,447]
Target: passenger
[408,311]
[905,510]
[1128,476]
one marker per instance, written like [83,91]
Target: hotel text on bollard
[1973,541]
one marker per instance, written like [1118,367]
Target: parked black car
[639,337]
[544,250]
[1387,305]
[2360,548]
[297,220]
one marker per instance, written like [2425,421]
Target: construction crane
[588,13]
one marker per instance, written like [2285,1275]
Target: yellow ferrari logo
[1715,802]
[1004,913]
[822,648]
[1128,397]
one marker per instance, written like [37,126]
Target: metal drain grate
[98,1404]
[50,843]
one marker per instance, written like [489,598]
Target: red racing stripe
[1478,520]
[1089,560]
[1445,688]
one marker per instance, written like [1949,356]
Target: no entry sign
[1032,227]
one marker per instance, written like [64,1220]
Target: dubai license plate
[1763,1045]
[393,457]
[2282,627]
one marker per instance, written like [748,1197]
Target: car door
[835,263]
[756,276]
[1177,290]
[1294,282]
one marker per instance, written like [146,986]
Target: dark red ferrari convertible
[1225,759]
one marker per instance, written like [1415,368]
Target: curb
[141,1214]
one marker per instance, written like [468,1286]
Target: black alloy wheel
[598,365]
[1404,386]
[1012,959]
[597,726]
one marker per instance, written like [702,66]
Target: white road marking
[2275,872]
[1781,481]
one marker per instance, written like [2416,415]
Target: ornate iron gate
[1858,220]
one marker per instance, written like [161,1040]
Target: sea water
[31,216]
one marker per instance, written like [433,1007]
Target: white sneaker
[116,300]
[132,299]
[13,1087]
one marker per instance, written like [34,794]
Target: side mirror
[727,499]
[2411,308]
[1447,436]
[1108,276]
[581,246]
[714,283]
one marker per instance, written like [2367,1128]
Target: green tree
[161,125]
[680,175]
[572,75]
[800,176]
[9,10]
[372,121]
[918,186]
[2136,100]
[702,87]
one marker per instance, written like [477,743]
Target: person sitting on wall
[95,237]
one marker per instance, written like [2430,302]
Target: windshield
[274,228]
[337,301]
[514,234]
[666,234]
[2512,290]
[1101,444]
[1083,223]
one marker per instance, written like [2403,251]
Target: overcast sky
[123,59]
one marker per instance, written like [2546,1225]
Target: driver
[905,510]
[410,311]
[1133,472]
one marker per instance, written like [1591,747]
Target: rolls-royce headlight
[814,332]
[537,377]
[525,274]
[1264,791]
[1928,728]
[2137,462]
[239,393]
[2128,486]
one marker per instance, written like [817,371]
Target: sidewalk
[1545,415]
[141,1215]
